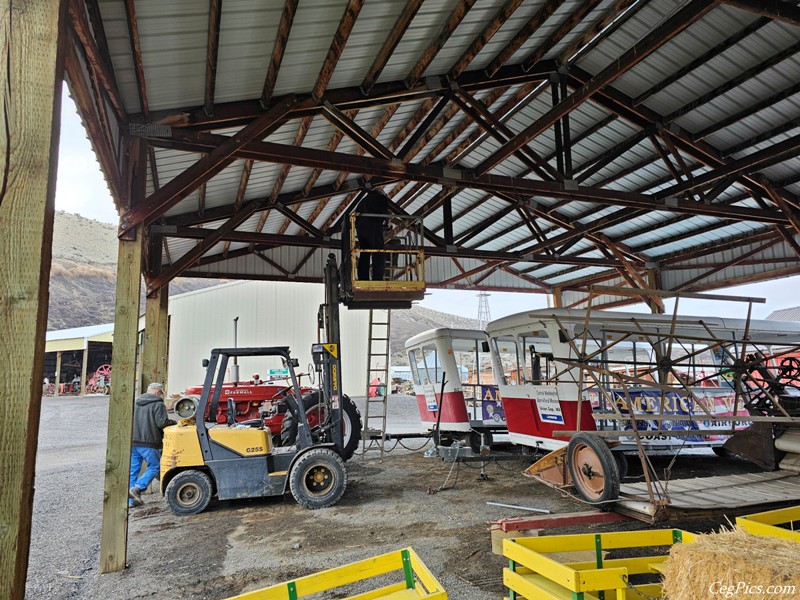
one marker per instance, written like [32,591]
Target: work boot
[135,494]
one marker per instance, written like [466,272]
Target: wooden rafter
[278,49]
[240,192]
[223,154]
[656,38]
[394,37]
[136,52]
[778,10]
[212,49]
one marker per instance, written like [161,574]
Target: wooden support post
[654,283]
[84,366]
[154,355]
[113,543]
[30,110]
[58,374]
[558,301]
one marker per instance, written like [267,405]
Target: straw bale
[733,564]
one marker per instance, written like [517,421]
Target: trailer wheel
[315,412]
[318,479]
[189,492]
[477,439]
[622,464]
[594,470]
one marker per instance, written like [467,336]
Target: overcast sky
[82,189]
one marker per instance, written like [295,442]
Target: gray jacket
[149,420]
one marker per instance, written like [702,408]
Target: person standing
[149,420]
[369,230]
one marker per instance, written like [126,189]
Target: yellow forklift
[202,459]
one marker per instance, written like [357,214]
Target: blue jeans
[152,457]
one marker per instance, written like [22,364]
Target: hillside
[84,271]
[83,275]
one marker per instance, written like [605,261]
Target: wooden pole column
[558,301]
[156,323]
[30,111]
[114,538]
[84,366]
[113,543]
[58,374]
[654,283]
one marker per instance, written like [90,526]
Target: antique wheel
[594,470]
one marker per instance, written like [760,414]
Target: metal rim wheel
[318,479]
[189,492]
[593,469]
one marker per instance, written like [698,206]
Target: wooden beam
[278,50]
[567,25]
[113,540]
[453,21]
[30,118]
[114,537]
[518,187]
[390,43]
[778,10]
[336,48]
[651,42]
[136,52]
[95,58]
[533,24]
[240,192]
[212,50]
[492,27]
[84,367]
[155,351]
[354,131]
[205,168]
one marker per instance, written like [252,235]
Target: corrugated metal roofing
[663,137]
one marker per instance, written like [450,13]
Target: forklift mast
[327,352]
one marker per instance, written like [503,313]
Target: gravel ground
[244,545]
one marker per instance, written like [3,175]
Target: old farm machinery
[592,385]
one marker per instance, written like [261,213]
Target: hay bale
[733,564]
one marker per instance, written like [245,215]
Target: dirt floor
[244,545]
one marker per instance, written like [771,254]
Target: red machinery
[265,400]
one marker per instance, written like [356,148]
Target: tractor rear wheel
[189,492]
[315,413]
[318,479]
[594,470]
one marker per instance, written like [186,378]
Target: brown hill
[83,277]
[84,272]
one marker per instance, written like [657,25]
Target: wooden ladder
[378,353]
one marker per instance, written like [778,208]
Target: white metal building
[270,314]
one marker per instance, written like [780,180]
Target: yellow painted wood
[339,576]
[423,573]
[763,523]
[381,592]
[633,565]
[537,587]
[113,542]
[29,111]
[539,563]
[67,345]
[586,541]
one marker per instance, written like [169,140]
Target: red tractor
[265,400]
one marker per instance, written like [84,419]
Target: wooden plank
[30,114]
[58,374]
[113,540]
[84,366]
[154,352]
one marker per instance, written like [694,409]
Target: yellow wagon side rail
[417,580]
[766,523]
[533,573]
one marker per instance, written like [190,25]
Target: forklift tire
[351,420]
[189,493]
[318,479]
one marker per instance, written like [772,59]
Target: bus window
[537,365]
[412,361]
[485,373]
[465,355]
[430,362]
[506,360]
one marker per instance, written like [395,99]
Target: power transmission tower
[484,316]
